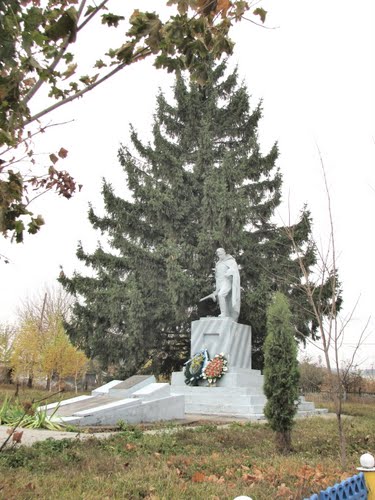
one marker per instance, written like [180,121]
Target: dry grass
[211,461]
[27,395]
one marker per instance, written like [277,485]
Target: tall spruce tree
[201,183]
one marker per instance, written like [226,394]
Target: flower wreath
[215,368]
[193,370]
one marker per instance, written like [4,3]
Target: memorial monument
[239,391]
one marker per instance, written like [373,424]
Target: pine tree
[202,183]
[281,373]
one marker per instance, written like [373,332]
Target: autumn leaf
[284,492]
[99,64]
[182,5]
[254,477]
[261,13]
[112,19]
[223,6]
[249,477]
[207,6]
[198,477]
[130,446]
[229,472]
[29,81]
[215,479]
[63,153]
[53,158]
[70,70]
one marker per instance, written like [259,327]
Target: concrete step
[153,391]
[133,384]
[306,406]
[131,410]
[74,406]
[218,392]
[244,410]
[231,399]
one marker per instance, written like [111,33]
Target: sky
[313,68]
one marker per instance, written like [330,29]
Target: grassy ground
[27,395]
[210,462]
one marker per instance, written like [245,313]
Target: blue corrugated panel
[353,488]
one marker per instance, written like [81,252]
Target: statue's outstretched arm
[211,296]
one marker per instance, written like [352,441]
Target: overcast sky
[315,75]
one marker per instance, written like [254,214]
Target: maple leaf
[207,6]
[215,479]
[70,70]
[53,158]
[223,6]
[198,477]
[212,478]
[17,436]
[63,153]
[284,492]
[261,13]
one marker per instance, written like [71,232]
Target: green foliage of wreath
[193,370]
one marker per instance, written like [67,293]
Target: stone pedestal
[237,393]
[223,335]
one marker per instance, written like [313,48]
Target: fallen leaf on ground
[215,479]
[284,492]
[198,477]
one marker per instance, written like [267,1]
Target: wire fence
[350,397]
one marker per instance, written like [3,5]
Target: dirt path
[31,436]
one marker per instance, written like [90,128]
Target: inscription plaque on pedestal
[223,335]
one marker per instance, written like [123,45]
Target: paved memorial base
[137,399]
[239,392]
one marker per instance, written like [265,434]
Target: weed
[220,462]
[14,458]
[54,446]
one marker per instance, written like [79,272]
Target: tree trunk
[8,376]
[284,442]
[342,440]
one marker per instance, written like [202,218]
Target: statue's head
[220,252]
